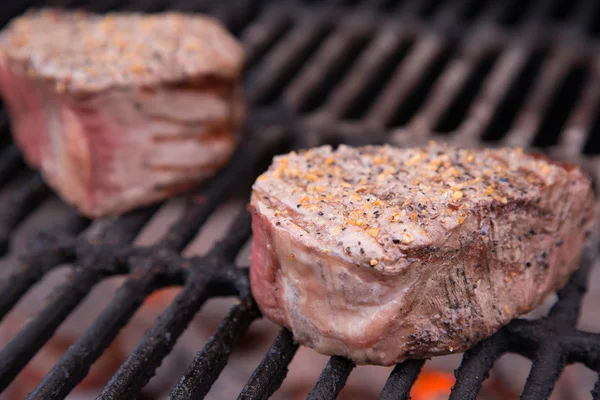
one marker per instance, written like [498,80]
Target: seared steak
[381,254]
[121,110]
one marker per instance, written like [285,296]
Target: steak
[121,110]
[381,254]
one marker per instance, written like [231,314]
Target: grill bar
[493,90]
[370,63]
[544,373]
[113,232]
[76,361]
[267,377]
[406,75]
[327,61]
[401,380]
[34,266]
[567,309]
[332,379]
[258,39]
[199,208]
[529,118]
[19,351]
[574,136]
[84,277]
[475,366]
[157,342]
[284,59]
[208,364]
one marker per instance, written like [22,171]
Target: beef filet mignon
[381,254]
[121,110]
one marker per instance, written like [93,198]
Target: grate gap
[415,99]
[593,28]
[561,10]
[5,136]
[199,6]
[280,82]
[238,18]
[561,105]
[429,7]
[149,6]
[471,10]
[11,162]
[334,75]
[19,204]
[515,97]
[592,145]
[103,7]
[389,5]
[361,104]
[456,113]
[512,13]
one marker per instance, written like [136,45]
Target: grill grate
[517,73]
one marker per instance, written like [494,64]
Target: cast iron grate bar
[272,370]
[158,341]
[76,361]
[401,380]
[94,263]
[545,370]
[208,363]
[289,47]
[47,250]
[476,365]
[332,379]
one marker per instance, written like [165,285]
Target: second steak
[121,110]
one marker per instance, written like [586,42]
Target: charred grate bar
[372,72]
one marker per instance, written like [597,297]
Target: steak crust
[382,254]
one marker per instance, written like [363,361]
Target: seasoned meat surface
[80,51]
[121,110]
[381,254]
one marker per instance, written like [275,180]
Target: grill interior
[523,73]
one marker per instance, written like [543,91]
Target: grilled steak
[381,254]
[121,110]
